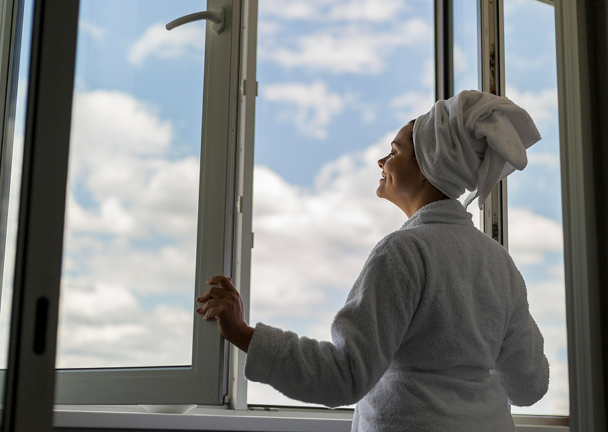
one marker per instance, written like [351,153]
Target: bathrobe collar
[447,211]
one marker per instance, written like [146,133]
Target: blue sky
[337,79]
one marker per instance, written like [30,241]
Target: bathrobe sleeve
[366,333]
[522,366]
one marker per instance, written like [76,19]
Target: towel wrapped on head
[471,141]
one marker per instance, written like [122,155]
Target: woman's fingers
[213,292]
[223,282]
[213,313]
[223,303]
[212,308]
[220,287]
[211,303]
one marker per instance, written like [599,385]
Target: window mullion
[444,49]
[492,79]
[244,187]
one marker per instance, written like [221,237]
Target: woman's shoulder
[400,244]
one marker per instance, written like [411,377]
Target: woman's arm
[522,366]
[366,333]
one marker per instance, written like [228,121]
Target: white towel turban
[471,141]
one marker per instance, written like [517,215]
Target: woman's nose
[381,162]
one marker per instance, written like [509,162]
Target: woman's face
[401,176]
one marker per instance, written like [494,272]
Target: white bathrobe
[435,335]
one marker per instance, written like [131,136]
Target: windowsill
[223,419]
[203,418]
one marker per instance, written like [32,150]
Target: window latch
[218,18]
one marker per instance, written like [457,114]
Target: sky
[337,79]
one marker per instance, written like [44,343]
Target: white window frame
[205,382]
[494,214]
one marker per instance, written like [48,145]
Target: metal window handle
[218,18]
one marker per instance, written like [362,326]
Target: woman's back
[445,368]
[466,294]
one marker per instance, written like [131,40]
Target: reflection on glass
[534,194]
[131,216]
[333,94]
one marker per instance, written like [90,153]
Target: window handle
[218,18]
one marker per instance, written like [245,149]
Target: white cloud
[313,106]
[428,75]
[412,104]
[114,123]
[157,42]
[530,64]
[267,29]
[310,243]
[366,10]
[547,159]
[333,10]
[541,105]
[104,325]
[293,9]
[532,236]
[353,49]
[94,30]
[130,234]
[460,59]
[526,7]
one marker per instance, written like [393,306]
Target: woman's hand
[224,303]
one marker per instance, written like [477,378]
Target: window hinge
[244,88]
[239,204]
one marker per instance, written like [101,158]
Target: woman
[435,334]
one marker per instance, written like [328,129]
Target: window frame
[494,214]
[30,376]
[578,122]
[205,382]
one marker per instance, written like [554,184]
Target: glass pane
[534,194]
[333,93]
[466,64]
[127,291]
[8,265]
[466,53]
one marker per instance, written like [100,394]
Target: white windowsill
[217,419]
[222,419]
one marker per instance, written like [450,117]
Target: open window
[150,193]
